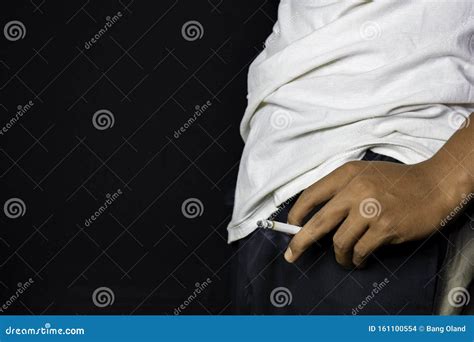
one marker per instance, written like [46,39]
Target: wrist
[449,176]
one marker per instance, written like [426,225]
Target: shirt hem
[394,149]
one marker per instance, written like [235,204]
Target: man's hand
[370,204]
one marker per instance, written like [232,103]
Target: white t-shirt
[339,77]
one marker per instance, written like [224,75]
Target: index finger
[327,219]
[321,191]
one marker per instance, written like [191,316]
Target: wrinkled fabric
[337,78]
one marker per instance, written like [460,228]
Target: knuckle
[385,223]
[351,167]
[310,235]
[340,244]
[358,185]
[369,187]
[305,194]
[364,186]
[360,253]
[301,240]
[292,217]
[317,220]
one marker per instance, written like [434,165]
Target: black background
[62,167]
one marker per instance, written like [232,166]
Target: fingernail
[289,255]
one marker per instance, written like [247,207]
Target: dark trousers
[398,279]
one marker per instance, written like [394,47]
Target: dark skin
[371,204]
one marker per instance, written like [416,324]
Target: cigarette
[279,226]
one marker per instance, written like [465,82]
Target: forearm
[453,165]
